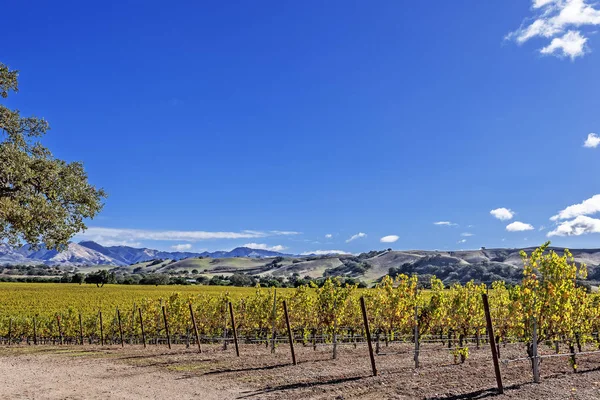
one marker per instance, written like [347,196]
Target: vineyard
[548,310]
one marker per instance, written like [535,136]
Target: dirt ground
[91,372]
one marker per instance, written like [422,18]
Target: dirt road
[70,376]
[112,372]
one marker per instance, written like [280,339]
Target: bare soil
[93,372]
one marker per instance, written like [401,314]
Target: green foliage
[43,200]
[551,297]
[100,278]
[8,81]
[156,279]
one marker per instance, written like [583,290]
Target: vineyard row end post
[142,327]
[289,330]
[334,355]
[195,328]
[235,339]
[60,335]
[80,330]
[535,360]
[120,328]
[416,337]
[101,329]
[34,331]
[492,340]
[274,317]
[164,312]
[368,333]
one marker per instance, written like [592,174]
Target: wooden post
[80,329]
[225,342]
[60,335]
[273,318]
[195,328]
[492,339]
[120,328]
[416,357]
[142,326]
[334,330]
[235,339]
[101,329]
[368,333]
[34,331]
[290,336]
[535,364]
[131,336]
[166,326]
[9,331]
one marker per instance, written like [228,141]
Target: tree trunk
[573,359]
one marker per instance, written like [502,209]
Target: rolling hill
[483,265]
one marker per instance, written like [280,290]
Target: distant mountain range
[92,253]
[450,266]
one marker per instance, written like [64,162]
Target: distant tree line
[30,270]
[103,277]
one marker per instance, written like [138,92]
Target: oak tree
[43,200]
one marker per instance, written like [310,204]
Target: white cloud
[541,228]
[571,45]
[553,19]
[357,236]
[445,223]
[467,234]
[503,214]
[181,247]
[541,3]
[389,239]
[329,236]
[262,246]
[579,222]
[578,226]
[592,141]
[103,235]
[324,252]
[462,241]
[587,207]
[519,227]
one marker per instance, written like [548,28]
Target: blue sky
[275,123]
